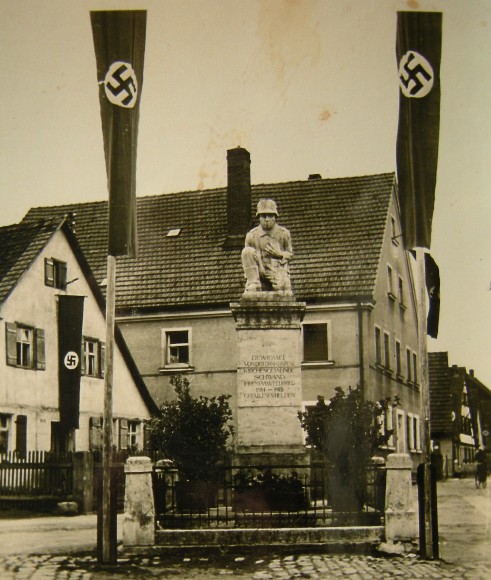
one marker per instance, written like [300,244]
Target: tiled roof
[337,228]
[19,245]
[441,400]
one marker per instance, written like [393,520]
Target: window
[398,359]
[386,350]
[408,364]
[393,231]
[401,292]
[386,425]
[133,432]
[176,348]
[390,283]
[21,435]
[25,346]
[415,368]
[409,432]
[316,342]
[412,432]
[401,439]
[92,357]
[378,346]
[4,433]
[55,273]
[416,433]
[466,424]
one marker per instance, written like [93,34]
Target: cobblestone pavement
[356,567]
[66,551]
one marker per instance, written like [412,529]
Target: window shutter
[82,362]
[40,354]
[102,358]
[11,341]
[95,433]
[49,272]
[147,432]
[123,434]
[62,273]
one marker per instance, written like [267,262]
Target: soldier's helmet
[266,206]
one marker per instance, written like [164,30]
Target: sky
[306,86]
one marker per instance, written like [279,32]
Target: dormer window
[55,273]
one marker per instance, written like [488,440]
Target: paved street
[464,516]
[63,548]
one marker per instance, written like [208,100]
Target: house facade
[350,266]
[460,411]
[40,263]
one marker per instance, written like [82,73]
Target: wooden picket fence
[34,477]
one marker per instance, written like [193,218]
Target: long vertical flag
[70,320]
[119,42]
[418,52]
[433,287]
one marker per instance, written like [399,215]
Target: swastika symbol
[416,75]
[71,360]
[121,85]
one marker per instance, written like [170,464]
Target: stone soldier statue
[267,252]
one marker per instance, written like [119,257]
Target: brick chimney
[238,196]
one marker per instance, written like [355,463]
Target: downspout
[361,350]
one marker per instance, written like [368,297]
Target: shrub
[194,433]
[346,432]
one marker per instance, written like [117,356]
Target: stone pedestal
[269,386]
[139,507]
[83,480]
[400,514]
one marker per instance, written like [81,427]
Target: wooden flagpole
[108,538]
[425,400]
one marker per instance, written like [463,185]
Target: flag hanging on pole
[432,273]
[119,42]
[70,320]
[418,50]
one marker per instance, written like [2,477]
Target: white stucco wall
[34,393]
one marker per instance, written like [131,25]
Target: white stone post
[139,506]
[400,514]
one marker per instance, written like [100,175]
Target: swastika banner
[70,320]
[418,51]
[119,42]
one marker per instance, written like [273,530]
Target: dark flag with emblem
[119,42]
[70,319]
[432,273]
[432,281]
[418,50]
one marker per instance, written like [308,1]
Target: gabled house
[41,263]
[350,266]
[460,414]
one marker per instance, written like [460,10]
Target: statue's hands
[272,252]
